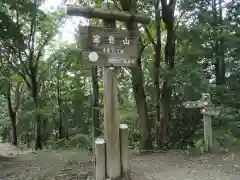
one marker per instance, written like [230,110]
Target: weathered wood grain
[106,14]
[124,54]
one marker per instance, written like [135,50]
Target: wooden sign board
[193,104]
[109,46]
[197,104]
[211,111]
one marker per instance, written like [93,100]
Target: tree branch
[150,37]
[172,4]
[180,17]
[19,88]
[31,40]
[10,109]
[115,3]
[18,54]
[21,74]
[39,54]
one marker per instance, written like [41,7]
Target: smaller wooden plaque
[211,111]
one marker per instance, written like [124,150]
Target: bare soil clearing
[17,164]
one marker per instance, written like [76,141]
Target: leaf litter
[43,165]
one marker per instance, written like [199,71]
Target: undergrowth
[79,141]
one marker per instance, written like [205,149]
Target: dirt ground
[17,164]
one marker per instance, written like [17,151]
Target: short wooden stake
[207,124]
[124,143]
[100,159]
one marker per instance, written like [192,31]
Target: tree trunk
[59,101]
[219,43]
[216,44]
[218,50]
[38,139]
[138,87]
[166,113]
[139,95]
[95,103]
[140,98]
[14,131]
[157,60]
[38,136]
[60,129]
[12,115]
[168,19]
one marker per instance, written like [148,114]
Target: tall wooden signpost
[111,48]
[208,111]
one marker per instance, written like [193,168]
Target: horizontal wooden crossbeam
[89,12]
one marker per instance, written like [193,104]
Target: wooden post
[123,54]
[207,123]
[124,143]
[111,123]
[100,159]
[111,112]
[208,111]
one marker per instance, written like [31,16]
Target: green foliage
[65,87]
[4,125]
[79,141]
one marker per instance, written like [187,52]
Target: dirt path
[175,166]
[16,164]
[24,165]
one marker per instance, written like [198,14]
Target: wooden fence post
[124,144]
[100,159]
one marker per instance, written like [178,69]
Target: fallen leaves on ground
[72,165]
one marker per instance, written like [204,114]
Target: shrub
[80,141]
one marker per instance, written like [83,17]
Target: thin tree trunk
[221,45]
[38,137]
[95,103]
[166,113]
[12,115]
[60,129]
[138,87]
[38,140]
[168,18]
[157,60]
[140,98]
[14,131]
[216,44]
[59,101]
[219,50]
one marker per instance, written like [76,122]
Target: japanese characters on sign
[104,46]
